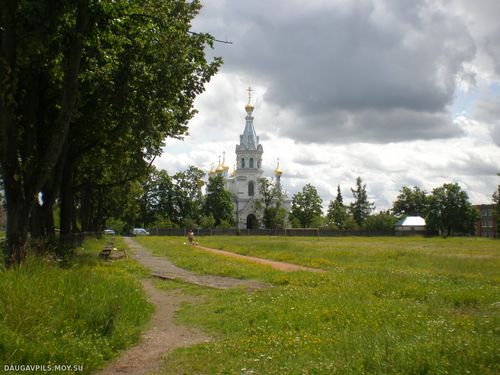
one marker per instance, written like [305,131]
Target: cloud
[349,70]
[348,88]
[492,47]
[488,111]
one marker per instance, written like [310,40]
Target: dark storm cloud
[374,126]
[351,70]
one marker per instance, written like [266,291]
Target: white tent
[410,224]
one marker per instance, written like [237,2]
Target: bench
[104,254]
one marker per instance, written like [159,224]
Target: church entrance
[252,222]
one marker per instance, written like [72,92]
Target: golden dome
[219,169]
[278,172]
[249,107]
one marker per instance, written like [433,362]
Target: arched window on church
[242,162]
[251,163]
[251,188]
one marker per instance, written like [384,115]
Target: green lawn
[81,312]
[385,305]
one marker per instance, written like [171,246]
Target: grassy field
[385,305]
[80,313]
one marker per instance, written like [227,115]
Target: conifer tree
[361,207]
[337,213]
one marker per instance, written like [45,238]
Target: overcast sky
[399,92]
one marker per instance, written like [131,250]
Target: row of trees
[177,201]
[307,210]
[89,91]
[165,201]
[447,209]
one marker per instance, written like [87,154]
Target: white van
[140,232]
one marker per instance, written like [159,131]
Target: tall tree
[218,201]
[361,207]
[271,202]
[450,211]
[187,194]
[337,212]
[157,201]
[83,82]
[411,202]
[306,207]
[40,55]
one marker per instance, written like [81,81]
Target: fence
[311,232]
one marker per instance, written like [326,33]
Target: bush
[224,224]
[164,223]
[207,221]
[382,221]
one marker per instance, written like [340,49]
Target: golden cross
[249,93]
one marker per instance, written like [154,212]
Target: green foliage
[350,223]
[187,194]
[384,306]
[90,91]
[224,224]
[188,223]
[383,221]
[84,314]
[207,221]
[157,200]
[119,226]
[411,202]
[361,207]
[306,207]
[164,223]
[450,211]
[337,212]
[271,202]
[218,201]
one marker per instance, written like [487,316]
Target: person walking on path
[191,237]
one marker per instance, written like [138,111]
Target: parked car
[109,231]
[140,232]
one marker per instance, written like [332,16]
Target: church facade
[243,182]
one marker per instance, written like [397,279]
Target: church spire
[249,139]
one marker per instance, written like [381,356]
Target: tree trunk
[67,204]
[37,223]
[25,176]
[17,227]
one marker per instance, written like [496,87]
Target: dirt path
[282,266]
[162,336]
[163,267]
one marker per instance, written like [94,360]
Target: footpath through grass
[79,314]
[385,306]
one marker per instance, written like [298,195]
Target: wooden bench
[104,254]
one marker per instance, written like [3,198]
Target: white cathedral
[243,182]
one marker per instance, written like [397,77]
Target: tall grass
[80,314]
[385,306]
